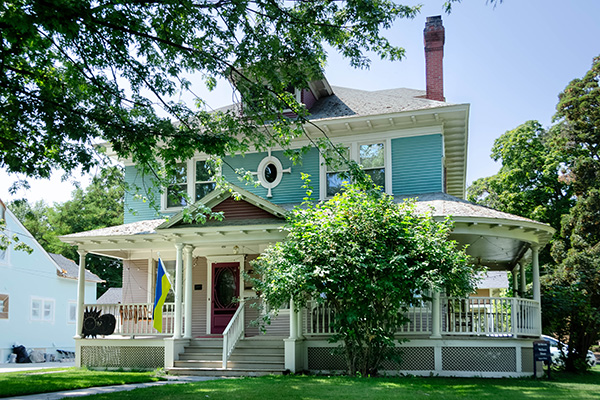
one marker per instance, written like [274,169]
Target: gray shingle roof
[111,296]
[70,269]
[346,102]
[133,228]
[444,204]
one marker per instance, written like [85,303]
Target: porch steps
[251,357]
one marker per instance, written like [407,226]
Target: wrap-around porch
[213,306]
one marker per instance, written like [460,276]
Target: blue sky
[508,62]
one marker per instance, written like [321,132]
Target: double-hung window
[372,159]
[192,181]
[336,170]
[371,156]
[42,309]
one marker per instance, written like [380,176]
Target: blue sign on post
[541,352]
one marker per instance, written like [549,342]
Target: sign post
[541,352]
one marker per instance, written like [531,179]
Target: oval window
[225,288]
[270,172]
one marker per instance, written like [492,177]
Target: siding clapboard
[135,281]
[417,164]
[136,209]
[199,297]
[290,189]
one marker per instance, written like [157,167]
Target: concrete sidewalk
[108,389]
[12,367]
[93,390]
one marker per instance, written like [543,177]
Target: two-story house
[411,142]
[38,294]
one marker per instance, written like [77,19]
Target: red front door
[225,293]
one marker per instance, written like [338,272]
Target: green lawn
[58,379]
[563,386]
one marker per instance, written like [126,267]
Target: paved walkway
[89,391]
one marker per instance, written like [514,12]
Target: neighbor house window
[72,312]
[192,180]
[42,310]
[3,306]
[372,158]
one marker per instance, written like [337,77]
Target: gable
[241,209]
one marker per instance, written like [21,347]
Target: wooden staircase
[250,357]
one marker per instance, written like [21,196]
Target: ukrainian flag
[163,285]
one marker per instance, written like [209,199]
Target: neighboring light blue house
[38,295]
[413,144]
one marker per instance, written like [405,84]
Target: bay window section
[176,192]
[203,180]
[336,170]
[372,159]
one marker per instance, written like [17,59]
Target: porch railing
[136,318]
[490,316]
[233,332]
[475,316]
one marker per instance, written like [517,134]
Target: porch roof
[494,238]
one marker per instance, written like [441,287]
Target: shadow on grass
[563,386]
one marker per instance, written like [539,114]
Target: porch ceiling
[497,253]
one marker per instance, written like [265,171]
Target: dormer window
[192,180]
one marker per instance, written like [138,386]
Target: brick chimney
[434,37]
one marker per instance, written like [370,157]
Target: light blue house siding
[137,204]
[290,189]
[417,164]
[32,278]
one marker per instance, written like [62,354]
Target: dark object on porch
[95,324]
[21,352]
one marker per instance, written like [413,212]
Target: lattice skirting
[527,359]
[454,359]
[484,359]
[407,359]
[134,357]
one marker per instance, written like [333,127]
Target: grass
[58,379]
[562,386]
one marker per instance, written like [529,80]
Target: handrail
[232,333]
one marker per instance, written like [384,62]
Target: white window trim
[5,305]
[43,302]
[354,155]
[191,184]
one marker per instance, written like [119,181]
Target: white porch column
[536,282]
[292,359]
[150,282]
[80,293]
[536,272]
[188,249]
[293,321]
[515,280]
[523,278]
[436,317]
[178,289]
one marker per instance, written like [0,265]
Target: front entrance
[226,290]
